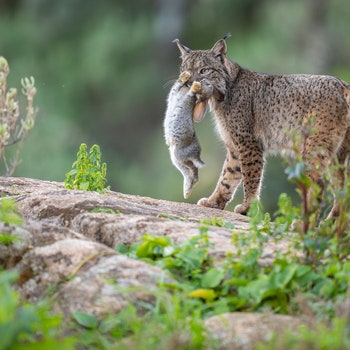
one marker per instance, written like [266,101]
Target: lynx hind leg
[184,77]
[341,174]
[319,151]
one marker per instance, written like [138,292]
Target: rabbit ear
[183,49]
[199,111]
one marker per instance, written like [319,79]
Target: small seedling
[88,173]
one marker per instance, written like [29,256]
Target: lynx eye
[204,71]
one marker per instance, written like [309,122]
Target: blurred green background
[103,70]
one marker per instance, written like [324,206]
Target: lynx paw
[241,209]
[196,87]
[205,202]
[184,76]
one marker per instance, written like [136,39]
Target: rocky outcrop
[66,249]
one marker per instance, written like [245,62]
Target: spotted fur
[258,113]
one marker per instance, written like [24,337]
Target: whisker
[168,83]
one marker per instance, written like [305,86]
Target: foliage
[335,337]
[10,216]
[88,173]
[29,326]
[9,213]
[326,240]
[220,222]
[13,128]
[170,321]
[242,281]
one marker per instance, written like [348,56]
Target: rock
[242,331]
[11,254]
[109,284]
[47,267]
[66,249]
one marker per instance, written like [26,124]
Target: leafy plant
[10,216]
[170,321]
[13,128]
[88,173]
[335,337]
[219,222]
[28,326]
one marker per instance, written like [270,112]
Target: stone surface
[242,331]
[66,249]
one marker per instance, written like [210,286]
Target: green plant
[28,326]
[88,173]
[170,321]
[10,216]
[219,222]
[334,337]
[14,129]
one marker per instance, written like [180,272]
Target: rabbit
[183,104]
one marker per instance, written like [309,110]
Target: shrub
[14,128]
[88,173]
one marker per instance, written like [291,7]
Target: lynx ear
[183,49]
[199,111]
[219,48]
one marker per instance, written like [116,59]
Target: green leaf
[152,246]
[85,320]
[212,278]
[236,282]
[168,250]
[122,248]
[8,212]
[192,256]
[84,185]
[205,294]
[282,278]
[52,344]
[7,239]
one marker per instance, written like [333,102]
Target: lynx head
[211,65]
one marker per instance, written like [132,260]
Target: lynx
[183,103]
[258,113]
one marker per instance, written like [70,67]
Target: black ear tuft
[183,49]
[226,36]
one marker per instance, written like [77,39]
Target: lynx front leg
[252,163]
[229,180]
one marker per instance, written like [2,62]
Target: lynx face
[209,65]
